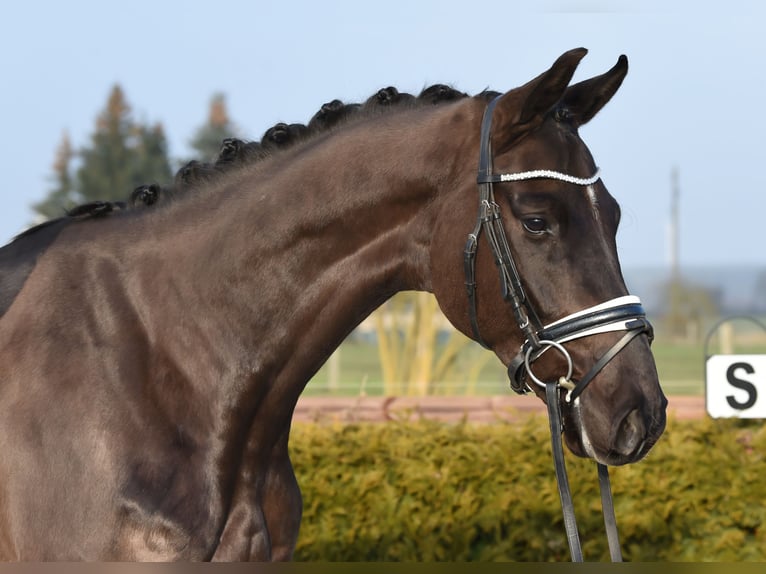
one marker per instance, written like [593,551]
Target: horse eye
[535,225]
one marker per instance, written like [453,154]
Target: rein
[620,314]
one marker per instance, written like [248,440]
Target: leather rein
[620,314]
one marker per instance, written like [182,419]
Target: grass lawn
[681,366]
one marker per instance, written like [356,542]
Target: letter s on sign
[742,384]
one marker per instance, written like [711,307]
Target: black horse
[150,364]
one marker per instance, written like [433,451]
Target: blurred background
[159,83]
[99,97]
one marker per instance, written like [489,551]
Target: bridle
[623,313]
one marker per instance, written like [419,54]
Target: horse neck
[299,252]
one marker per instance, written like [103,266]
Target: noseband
[623,313]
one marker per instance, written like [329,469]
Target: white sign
[736,386]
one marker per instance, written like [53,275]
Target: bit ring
[547,343]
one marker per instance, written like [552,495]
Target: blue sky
[694,96]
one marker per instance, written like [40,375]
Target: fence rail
[477,409]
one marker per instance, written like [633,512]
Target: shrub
[427,491]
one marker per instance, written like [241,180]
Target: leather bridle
[623,313]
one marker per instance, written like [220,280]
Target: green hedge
[426,491]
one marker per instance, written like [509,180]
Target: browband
[538,174]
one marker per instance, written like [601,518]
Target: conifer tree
[207,139]
[59,198]
[122,154]
[151,161]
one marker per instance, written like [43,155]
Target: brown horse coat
[150,365]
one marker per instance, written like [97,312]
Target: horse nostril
[631,434]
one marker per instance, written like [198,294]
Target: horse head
[560,310]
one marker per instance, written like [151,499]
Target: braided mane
[236,153]
[18,257]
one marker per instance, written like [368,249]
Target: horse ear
[525,108]
[584,100]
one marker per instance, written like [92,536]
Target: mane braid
[331,115]
[237,153]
